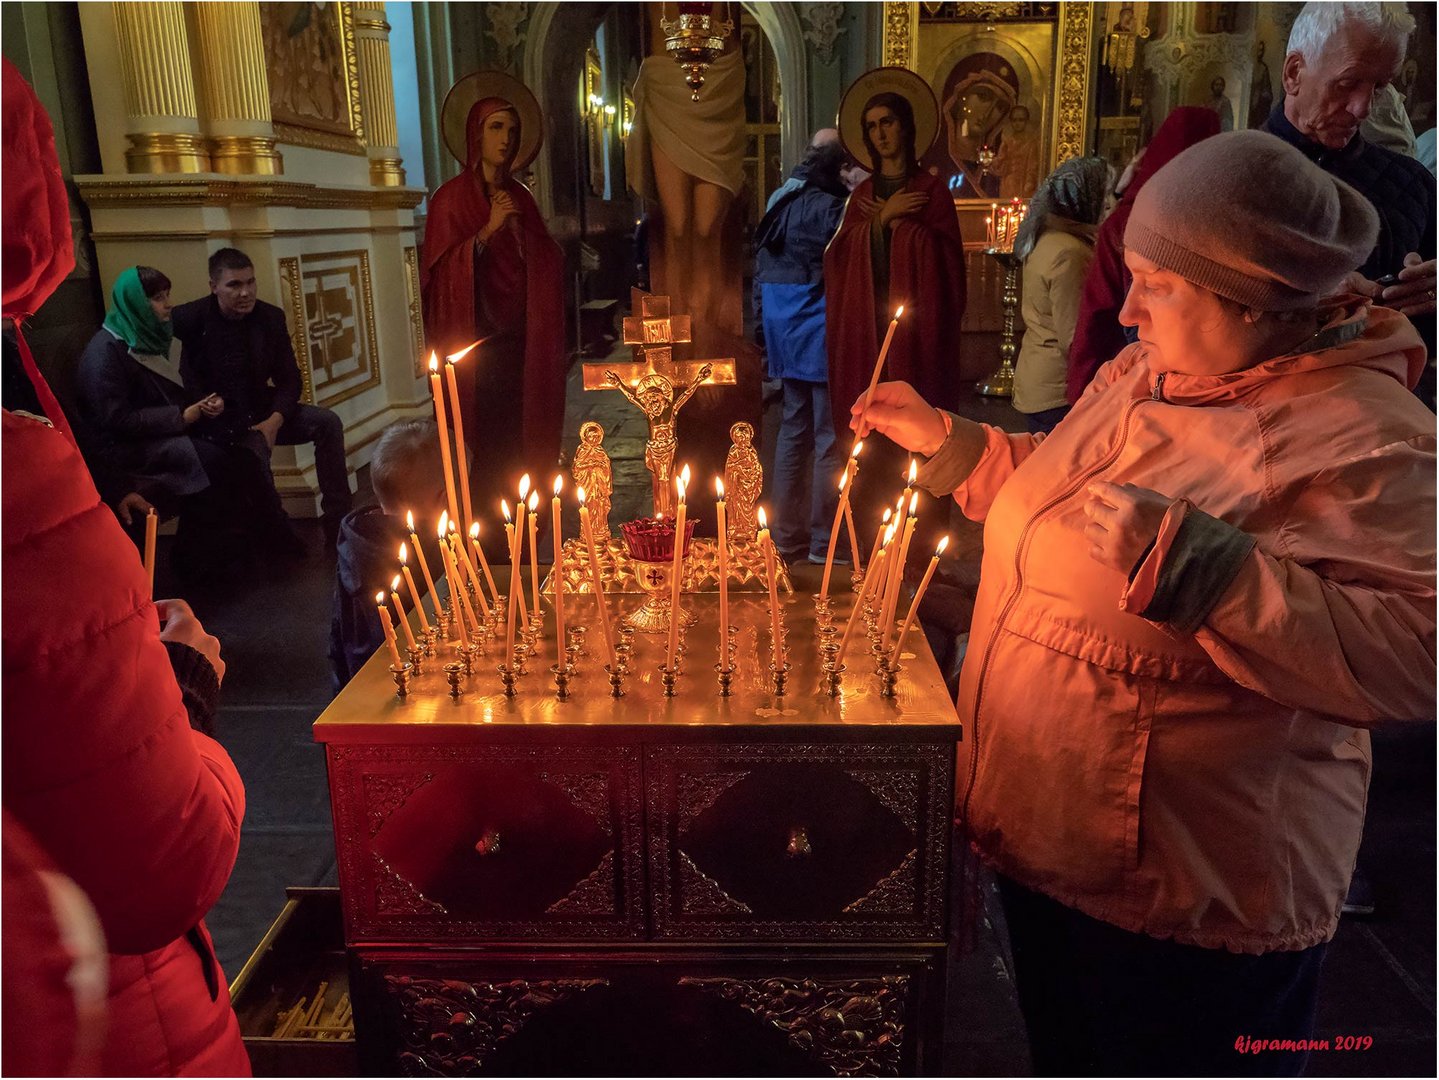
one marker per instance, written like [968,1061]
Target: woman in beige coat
[1056,244]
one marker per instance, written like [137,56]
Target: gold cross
[652,335]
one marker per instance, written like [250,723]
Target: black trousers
[312,424]
[1098,1000]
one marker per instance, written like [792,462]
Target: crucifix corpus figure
[655,396]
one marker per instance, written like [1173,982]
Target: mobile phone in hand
[1387,280]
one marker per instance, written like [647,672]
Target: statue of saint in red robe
[490,270]
[898,243]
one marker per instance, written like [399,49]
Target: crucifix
[658,385]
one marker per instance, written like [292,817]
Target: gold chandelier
[696,41]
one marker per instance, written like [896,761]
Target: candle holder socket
[617,681]
[725,672]
[832,676]
[888,678]
[856,580]
[667,678]
[507,677]
[401,674]
[562,675]
[778,677]
[416,657]
[453,671]
[574,643]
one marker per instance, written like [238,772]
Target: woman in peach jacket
[1197,595]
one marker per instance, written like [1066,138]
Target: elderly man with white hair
[1340,55]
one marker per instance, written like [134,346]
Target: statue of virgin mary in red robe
[490,271]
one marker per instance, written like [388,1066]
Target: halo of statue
[891,80]
[483,84]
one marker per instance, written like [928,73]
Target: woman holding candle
[1197,594]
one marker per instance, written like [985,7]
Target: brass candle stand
[562,674]
[454,670]
[401,674]
[832,674]
[725,674]
[625,649]
[507,677]
[1001,383]
[778,677]
[889,678]
[667,679]
[416,656]
[574,643]
[617,681]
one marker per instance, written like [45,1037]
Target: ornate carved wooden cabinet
[751,885]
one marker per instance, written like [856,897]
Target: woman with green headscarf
[132,397]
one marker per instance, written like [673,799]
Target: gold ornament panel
[331,311]
[313,69]
[415,309]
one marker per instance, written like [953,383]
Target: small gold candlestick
[828,655]
[453,670]
[472,655]
[617,681]
[574,642]
[520,661]
[725,672]
[856,580]
[832,675]
[778,677]
[888,677]
[823,611]
[401,674]
[416,657]
[562,681]
[432,635]
[667,677]
[536,627]
[625,648]
[507,676]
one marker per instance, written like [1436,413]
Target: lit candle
[532,506]
[722,531]
[389,630]
[914,604]
[400,611]
[768,548]
[596,582]
[480,558]
[461,464]
[459,603]
[462,559]
[677,573]
[516,589]
[557,575]
[465,605]
[424,566]
[878,539]
[414,592]
[849,505]
[876,566]
[892,601]
[846,479]
[879,361]
[444,434]
[152,526]
[520,512]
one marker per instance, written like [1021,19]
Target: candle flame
[685,475]
[434,362]
[444,522]
[580,494]
[474,530]
[409,521]
[404,553]
[534,501]
[455,358]
[898,312]
[763,521]
[719,487]
[395,584]
[913,470]
[858,446]
[844,478]
[524,486]
[943,543]
[913,504]
[559,485]
[380,598]
[889,533]
[888,513]
[680,486]
[505,509]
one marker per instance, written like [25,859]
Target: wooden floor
[1379,978]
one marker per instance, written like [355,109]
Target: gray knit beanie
[1249,217]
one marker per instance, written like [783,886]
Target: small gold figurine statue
[655,396]
[743,479]
[591,470]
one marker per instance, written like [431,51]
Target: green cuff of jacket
[1201,563]
[951,464]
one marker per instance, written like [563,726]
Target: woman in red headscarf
[490,270]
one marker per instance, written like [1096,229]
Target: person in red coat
[898,244]
[101,764]
[1098,336]
[490,270]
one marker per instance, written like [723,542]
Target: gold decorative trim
[899,23]
[387,172]
[166,152]
[1071,81]
[245,155]
[416,308]
[349,142]
[352,69]
[294,296]
[106,191]
[361,257]
[319,140]
[119,236]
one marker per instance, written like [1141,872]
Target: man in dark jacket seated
[237,346]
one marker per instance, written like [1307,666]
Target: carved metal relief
[595,895]
[853,1027]
[396,896]
[899,791]
[1072,77]
[449,1027]
[899,22]
[416,309]
[894,894]
[384,794]
[697,792]
[702,894]
[590,792]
